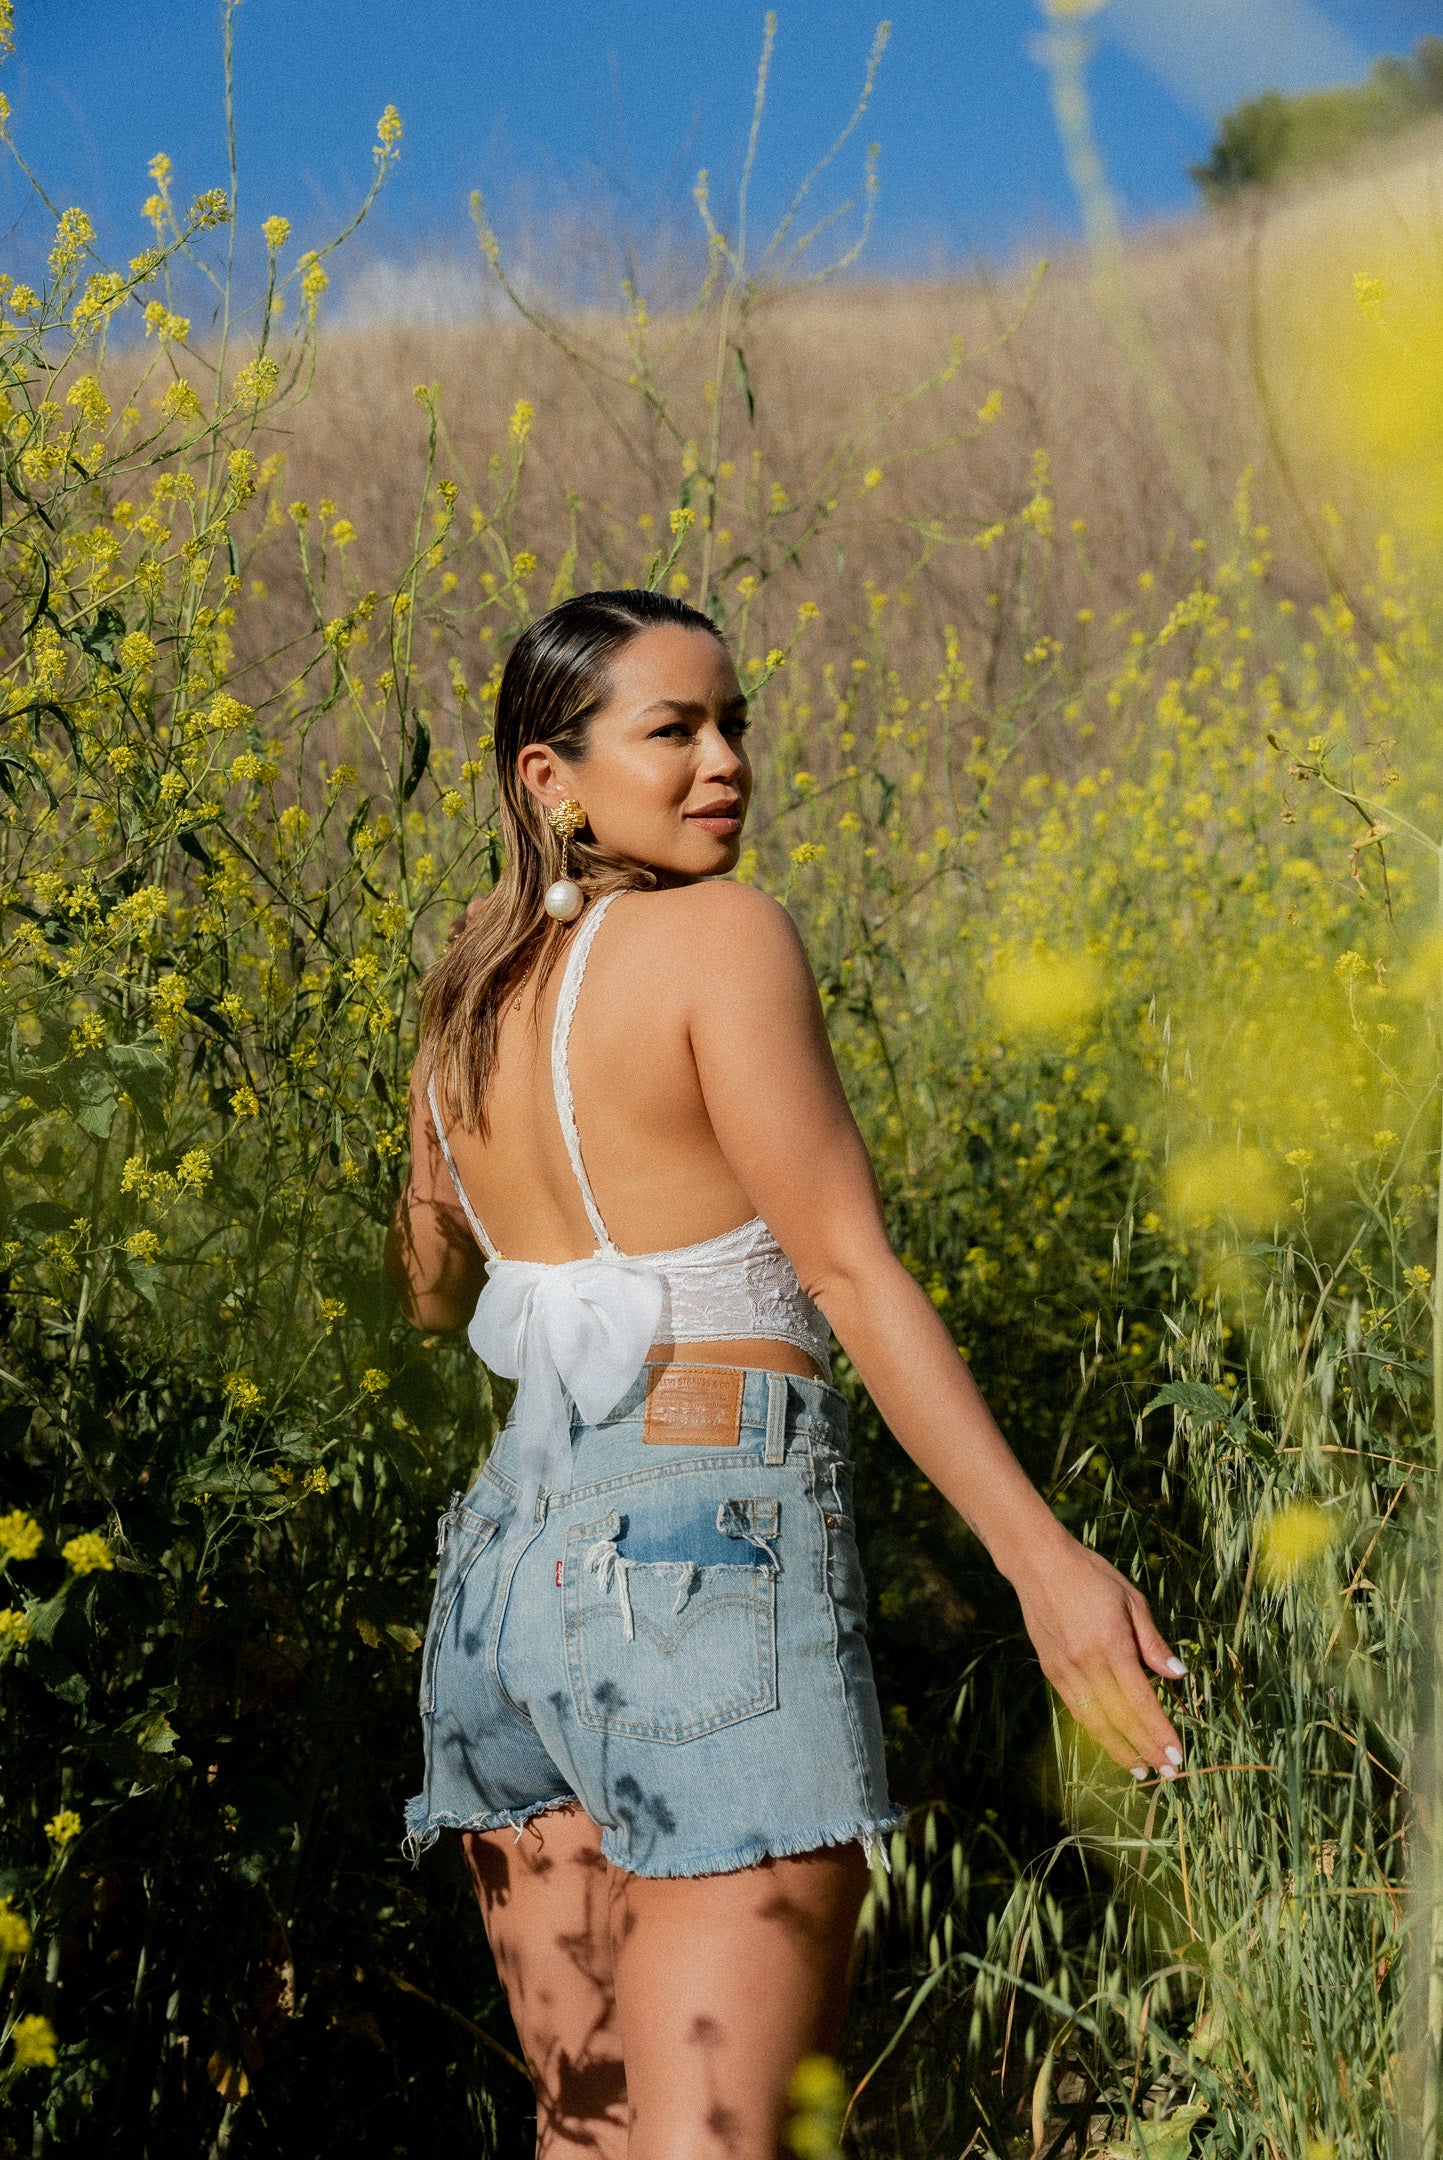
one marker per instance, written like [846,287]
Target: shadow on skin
[544,1899]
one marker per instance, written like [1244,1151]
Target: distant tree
[1251,148]
[1271,136]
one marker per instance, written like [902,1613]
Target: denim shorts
[679,1644]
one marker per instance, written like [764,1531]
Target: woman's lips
[724,822]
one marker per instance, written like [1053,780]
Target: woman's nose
[721,758]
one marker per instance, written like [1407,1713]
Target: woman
[646,1696]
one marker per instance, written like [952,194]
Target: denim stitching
[503,1601]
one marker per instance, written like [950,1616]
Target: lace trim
[491,1251]
[561,1070]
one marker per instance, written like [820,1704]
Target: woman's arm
[431,1255]
[779,1112]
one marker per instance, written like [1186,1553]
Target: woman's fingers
[1088,1711]
[1154,1647]
[1092,1629]
[1113,1688]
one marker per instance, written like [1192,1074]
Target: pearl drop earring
[564,899]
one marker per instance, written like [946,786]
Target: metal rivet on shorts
[830,1521]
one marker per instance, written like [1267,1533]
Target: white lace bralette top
[585,1326]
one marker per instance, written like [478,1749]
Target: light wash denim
[678,1643]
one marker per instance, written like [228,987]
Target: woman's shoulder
[716,929]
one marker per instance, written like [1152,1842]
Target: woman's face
[666,780]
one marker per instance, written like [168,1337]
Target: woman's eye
[736,727]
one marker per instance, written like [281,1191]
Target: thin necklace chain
[521,988]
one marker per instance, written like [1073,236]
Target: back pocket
[461,1537]
[670,1648]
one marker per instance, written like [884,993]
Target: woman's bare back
[658,1173]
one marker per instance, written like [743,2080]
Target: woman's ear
[539,771]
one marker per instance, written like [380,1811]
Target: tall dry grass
[1219,294]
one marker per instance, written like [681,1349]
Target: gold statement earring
[564,900]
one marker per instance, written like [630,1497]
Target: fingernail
[1173,1754]
[1166,1770]
[1139,1770]
[1176,1665]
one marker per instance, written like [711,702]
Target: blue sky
[550,103]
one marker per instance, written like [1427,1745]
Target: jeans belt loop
[776,1417]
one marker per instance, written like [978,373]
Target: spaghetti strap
[561,1070]
[470,1213]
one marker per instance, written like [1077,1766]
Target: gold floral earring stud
[564,899]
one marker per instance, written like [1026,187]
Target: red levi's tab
[559,1565]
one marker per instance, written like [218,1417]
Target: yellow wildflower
[257,381]
[374,1381]
[87,1554]
[63,1827]
[14,1628]
[277,231]
[21,1536]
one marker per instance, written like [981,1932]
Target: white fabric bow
[578,1325]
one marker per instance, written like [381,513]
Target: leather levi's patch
[693,1406]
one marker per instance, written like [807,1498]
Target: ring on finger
[1083,1701]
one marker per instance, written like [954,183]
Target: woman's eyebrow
[689,708]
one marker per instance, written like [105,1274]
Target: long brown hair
[556,679]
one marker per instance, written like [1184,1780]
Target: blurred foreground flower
[1292,1539]
[1045,994]
[818,2093]
[1238,1184]
[33,2040]
[14,1931]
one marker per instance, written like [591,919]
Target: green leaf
[420,758]
[1195,1397]
[1165,2140]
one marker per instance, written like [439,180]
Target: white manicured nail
[1176,1665]
[1139,1770]
[1166,1770]
[1173,1754]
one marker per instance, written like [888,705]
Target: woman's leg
[723,1983]
[544,1898]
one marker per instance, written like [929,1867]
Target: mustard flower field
[1123,888]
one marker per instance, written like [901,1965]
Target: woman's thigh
[723,1983]
[545,1899]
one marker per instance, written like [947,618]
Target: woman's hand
[1089,1626]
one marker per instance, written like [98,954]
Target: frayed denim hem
[423,1829]
[869,1835]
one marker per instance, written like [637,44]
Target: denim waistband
[813,1406]
[809,1414]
